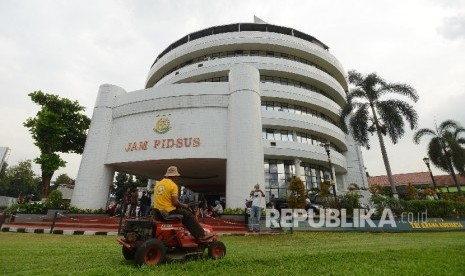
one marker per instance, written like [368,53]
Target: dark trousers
[190,222]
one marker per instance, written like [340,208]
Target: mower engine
[138,230]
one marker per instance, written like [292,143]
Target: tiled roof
[447,180]
[415,179]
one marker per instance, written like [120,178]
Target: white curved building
[231,106]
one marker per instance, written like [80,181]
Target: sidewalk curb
[58,231]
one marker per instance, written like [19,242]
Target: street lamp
[426,160]
[328,150]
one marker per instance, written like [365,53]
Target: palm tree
[369,110]
[444,149]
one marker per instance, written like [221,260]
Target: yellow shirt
[162,194]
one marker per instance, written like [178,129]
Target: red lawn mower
[151,242]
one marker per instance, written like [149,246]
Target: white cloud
[453,27]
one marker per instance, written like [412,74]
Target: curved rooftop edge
[241,27]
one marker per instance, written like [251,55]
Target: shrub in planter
[411,192]
[297,194]
[28,208]
[74,210]
[55,200]
[349,201]
[233,211]
[381,202]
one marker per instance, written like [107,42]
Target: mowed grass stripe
[303,253]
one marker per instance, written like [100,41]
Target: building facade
[231,106]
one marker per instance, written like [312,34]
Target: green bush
[28,208]
[297,194]
[434,208]
[233,211]
[381,202]
[74,210]
[55,200]
[349,201]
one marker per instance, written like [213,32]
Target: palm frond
[457,153]
[357,93]
[359,126]
[448,125]
[355,77]
[392,120]
[422,132]
[405,109]
[401,89]
[436,154]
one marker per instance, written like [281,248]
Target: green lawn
[302,253]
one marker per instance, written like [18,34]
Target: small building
[445,183]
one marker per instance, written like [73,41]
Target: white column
[94,177]
[333,173]
[245,144]
[298,171]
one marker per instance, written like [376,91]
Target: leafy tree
[55,200]
[376,189]
[3,178]
[58,127]
[297,194]
[19,180]
[141,181]
[444,149]
[411,192]
[369,110]
[64,179]
[122,182]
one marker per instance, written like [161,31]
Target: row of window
[301,137]
[239,53]
[295,83]
[216,79]
[284,81]
[278,173]
[297,109]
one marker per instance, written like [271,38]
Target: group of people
[204,210]
[167,202]
[130,203]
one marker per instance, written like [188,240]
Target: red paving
[99,223]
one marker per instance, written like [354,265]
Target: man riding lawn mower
[151,242]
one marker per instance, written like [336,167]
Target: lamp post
[328,150]
[426,160]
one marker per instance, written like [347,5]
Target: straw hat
[172,171]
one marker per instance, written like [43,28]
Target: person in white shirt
[254,220]
[218,209]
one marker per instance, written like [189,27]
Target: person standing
[148,209]
[143,204]
[133,201]
[126,202]
[167,201]
[254,220]
[218,209]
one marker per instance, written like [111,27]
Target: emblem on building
[162,126]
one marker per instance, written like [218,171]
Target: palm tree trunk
[451,167]
[387,165]
[384,153]
[459,190]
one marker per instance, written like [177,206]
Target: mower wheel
[151,252]
[127,253]
[216,250]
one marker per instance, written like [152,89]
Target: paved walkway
[102,225]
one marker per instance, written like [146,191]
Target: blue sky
[69,48]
